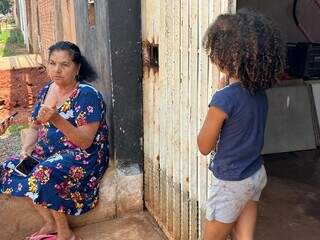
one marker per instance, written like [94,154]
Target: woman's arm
[210,131]
[29,137]
[81,136]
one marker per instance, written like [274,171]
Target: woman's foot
[71,236]
[48,228]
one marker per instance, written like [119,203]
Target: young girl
[247,49]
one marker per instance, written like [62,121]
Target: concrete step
[119,195]
[138,226]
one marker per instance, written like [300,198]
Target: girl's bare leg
[245,226]
[215,230]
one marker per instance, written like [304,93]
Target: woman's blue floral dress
[67,178]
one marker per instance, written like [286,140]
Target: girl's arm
[210,131]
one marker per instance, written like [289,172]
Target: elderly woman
[68,135]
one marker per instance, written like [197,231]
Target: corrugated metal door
[178,82]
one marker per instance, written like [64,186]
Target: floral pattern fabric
[67,178]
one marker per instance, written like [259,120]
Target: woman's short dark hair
[246,46]
[86,72]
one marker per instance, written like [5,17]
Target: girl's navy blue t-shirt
[238,151]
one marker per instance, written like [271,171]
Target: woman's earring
[77,77]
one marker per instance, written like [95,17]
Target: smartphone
[27,165]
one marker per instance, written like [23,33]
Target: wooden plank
[224,6]
[203,108]
[193,106]
[176,121]
[147,132]
[151,138]
[144,19]
[228,6]
[184,120]
[232,6]
[156,153]
[213,73]
[214,10]
[163,60]
[154,7]
[170,93]
[147,112]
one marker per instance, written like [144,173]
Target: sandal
[35,236]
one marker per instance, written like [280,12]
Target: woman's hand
[29,137]
[23,155]
[47,114]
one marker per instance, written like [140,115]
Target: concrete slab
[20,61]
[131,227]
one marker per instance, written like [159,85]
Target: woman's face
[61,69]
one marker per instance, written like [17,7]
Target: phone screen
[27,165]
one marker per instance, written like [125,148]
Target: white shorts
[227,199]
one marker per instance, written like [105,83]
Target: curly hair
[246,46]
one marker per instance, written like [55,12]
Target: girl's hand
[222,81]
[47,114]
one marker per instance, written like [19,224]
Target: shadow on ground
[290,203]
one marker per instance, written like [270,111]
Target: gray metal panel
[315,91]
[289,124]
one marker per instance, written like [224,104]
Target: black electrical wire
[296,21]
[294,9]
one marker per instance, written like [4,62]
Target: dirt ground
[289,207]
[19,89]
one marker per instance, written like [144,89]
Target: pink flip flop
[42,237]
[32,235]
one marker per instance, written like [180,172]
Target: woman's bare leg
[49,222]
[63,229]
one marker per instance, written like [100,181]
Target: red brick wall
[47,27]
